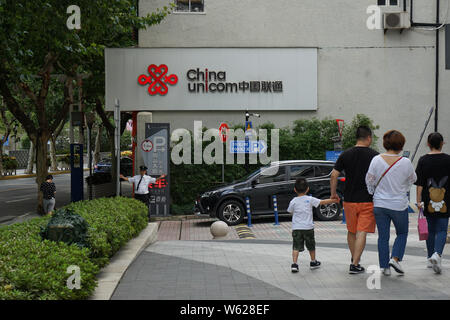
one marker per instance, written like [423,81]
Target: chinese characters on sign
[212,81]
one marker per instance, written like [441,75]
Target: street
[18,197]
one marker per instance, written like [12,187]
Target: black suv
[228,202]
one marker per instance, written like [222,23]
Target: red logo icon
[158,80]
[223,132]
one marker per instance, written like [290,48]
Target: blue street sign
[247,146]
[248,128]
[333,155]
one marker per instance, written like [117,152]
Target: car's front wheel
[328,212]
[232,212]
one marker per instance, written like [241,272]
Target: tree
[36,47]
[348,134]
[8,126]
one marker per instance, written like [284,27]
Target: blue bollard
[249,214]
[275,209]
[343,217]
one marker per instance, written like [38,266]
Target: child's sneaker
[294,268]
[314,264]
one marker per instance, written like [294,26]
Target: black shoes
[356,269]
[314,264]
[294,268]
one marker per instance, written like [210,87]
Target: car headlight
[207,194]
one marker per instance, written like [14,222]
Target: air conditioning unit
[397,20]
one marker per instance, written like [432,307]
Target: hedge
[35,269]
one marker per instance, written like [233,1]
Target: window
[388,2]
[273,174]
[189,6]
[304,171]
[323,171]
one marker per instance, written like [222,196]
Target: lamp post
[90,120]
[247,118]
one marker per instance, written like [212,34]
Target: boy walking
[301,208]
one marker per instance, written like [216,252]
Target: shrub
[32,268]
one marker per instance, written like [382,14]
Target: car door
[271,181]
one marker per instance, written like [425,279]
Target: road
[18,197]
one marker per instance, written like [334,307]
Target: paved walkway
[234,269]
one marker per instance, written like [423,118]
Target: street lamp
[247,118]
[90,120]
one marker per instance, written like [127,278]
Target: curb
[110,276]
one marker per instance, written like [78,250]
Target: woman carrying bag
[389,179]
[433,172]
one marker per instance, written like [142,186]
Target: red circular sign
[147,146]
[223,132]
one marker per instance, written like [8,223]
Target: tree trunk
[98,141]
[1,159]
[41,166]
[54,163]
[31,157]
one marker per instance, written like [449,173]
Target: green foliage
[32,268]
[9,163]
[25,143]
[348,135]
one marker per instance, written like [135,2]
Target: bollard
[343,217]
[249,214]
[275,209]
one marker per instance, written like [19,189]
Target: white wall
[389,77]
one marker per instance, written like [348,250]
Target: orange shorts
[359,216]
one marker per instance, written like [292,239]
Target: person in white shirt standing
[141,183]
[301,208]
[389,179]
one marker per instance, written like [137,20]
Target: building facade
[389,76]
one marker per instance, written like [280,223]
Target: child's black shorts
[302,238]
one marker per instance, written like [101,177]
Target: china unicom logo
[158,80]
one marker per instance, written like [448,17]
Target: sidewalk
[260,269]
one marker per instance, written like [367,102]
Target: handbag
[422,226]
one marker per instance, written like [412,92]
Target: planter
[63,166]
[103,190]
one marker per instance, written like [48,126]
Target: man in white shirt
[141,183]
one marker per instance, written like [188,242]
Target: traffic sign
[248,146]
[147,145]
[223,132]
[333,155]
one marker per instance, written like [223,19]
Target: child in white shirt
[301,208]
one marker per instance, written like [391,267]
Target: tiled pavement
[258,268]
